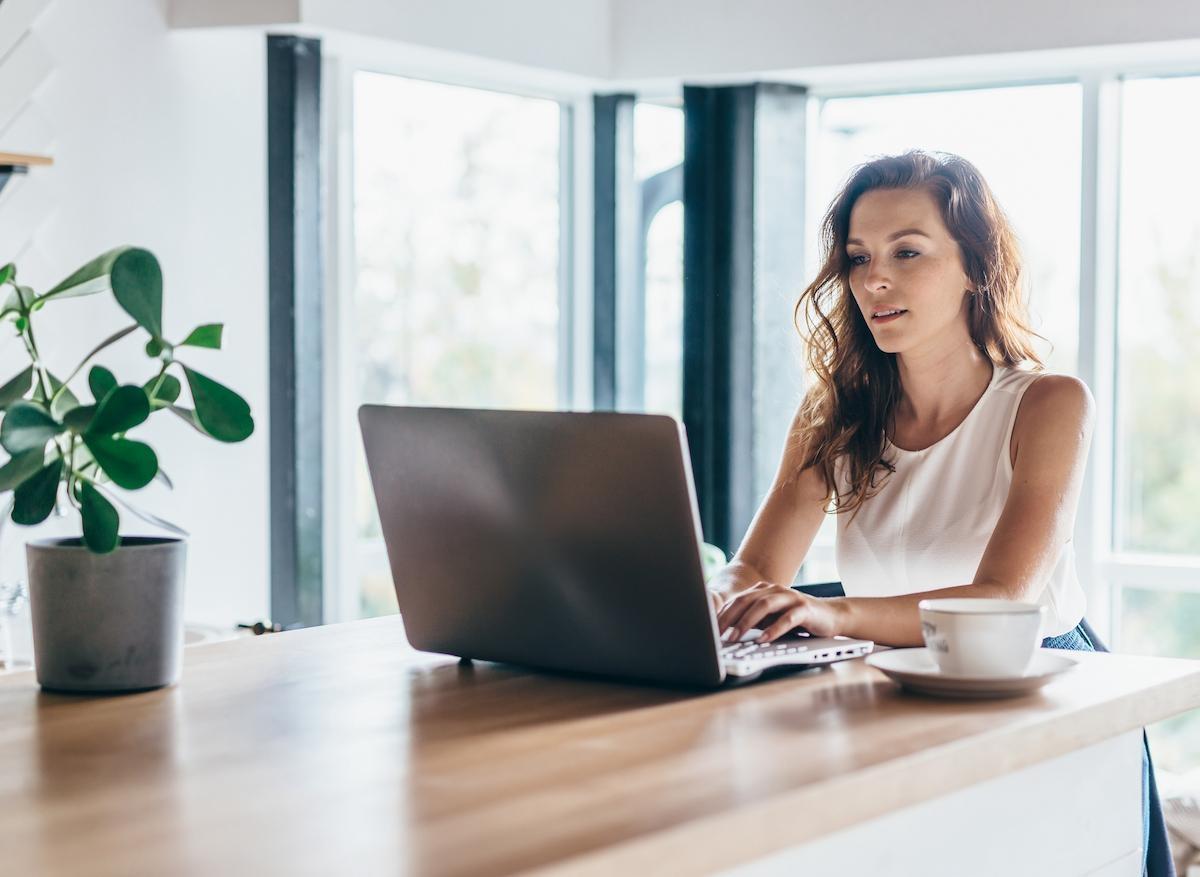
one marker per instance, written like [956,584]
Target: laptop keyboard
[751,651]
[751,658]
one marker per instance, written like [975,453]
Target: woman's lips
[888,318]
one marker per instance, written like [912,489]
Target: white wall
[629,40]
[158,139]
[690,37]
[229,13]
[571,37]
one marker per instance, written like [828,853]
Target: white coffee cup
[981,637]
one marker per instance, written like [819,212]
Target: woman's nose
[875,280]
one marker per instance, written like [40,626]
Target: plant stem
[31,347]
[72,476]
[162,373]
[112,339]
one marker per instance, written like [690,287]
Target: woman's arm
[783,528]
[1051,438]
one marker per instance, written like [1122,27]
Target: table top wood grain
[341,750]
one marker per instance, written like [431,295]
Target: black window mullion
[295,320]
[616,209]
[734,224]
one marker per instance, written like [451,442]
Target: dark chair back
[1091,635]
[822,589]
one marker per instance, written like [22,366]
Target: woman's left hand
[785,608]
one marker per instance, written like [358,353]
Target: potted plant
[106,608]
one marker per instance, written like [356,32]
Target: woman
[952,460]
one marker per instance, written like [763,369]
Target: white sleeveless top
[929,524]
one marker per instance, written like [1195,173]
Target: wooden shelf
[18,159]
[18,163]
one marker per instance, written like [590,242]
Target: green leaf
[122,409]
[101,381]
[78,419]
[204,336]
[64,403]
[222,413]
[188,416]
[12,304]
[128,463]
[34,500]
[137,284]
[21,467]
[100,520]
[26,426]
[17,301]
[167,392]
[131,273]
[88,280]
[154,347]
[7,273]
[16,388]
[11,308]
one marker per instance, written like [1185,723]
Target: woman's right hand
[733,578]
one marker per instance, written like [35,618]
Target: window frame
[344,550]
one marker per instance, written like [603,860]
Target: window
[1155,568]
[664,312]
[1155,621]
[1158,326]
[456,226]
[1035,177]
[658,157]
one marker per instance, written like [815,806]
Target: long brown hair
[846,412]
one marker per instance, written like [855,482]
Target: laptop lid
[564,540]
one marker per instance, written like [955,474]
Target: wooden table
[339,750]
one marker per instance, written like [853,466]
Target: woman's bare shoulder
[1055,408]
[1050,392]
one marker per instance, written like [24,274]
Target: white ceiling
[633,41]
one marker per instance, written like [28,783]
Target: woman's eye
[906,254]
[858,259]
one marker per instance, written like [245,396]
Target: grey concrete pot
[106,622]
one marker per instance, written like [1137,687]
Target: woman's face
[902,258]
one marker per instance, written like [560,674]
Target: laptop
[568,541]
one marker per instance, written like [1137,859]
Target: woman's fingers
[753,609]
[762,608]
[735,609]
[786,623]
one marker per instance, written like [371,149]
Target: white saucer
[914,669]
